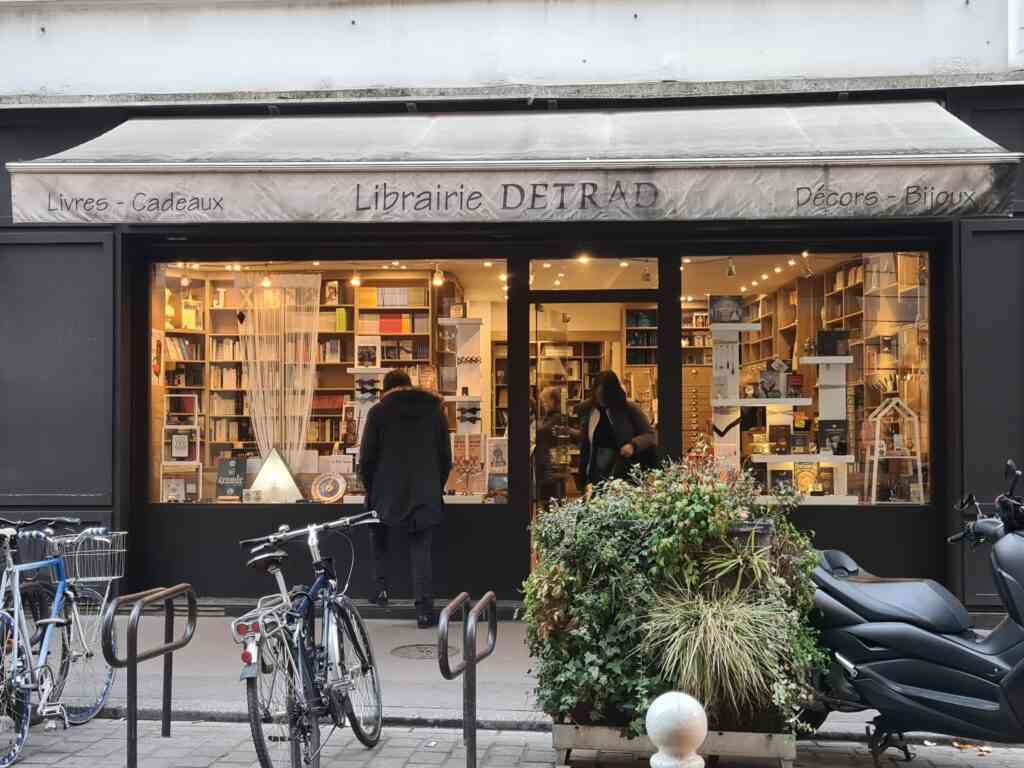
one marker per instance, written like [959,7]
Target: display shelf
[827,360]
[760,402]
[789,458]
[815,501]
[184,331]
[741,327]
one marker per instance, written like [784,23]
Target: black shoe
[381,599]
[427,620]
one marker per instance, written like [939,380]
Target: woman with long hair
[614,433]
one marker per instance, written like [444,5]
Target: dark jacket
[630,425]
[405,457]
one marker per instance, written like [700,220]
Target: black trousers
[421,560]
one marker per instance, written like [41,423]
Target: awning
[833,161]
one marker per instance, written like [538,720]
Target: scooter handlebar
[956,537]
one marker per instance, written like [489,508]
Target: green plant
[722,647]
[744,563]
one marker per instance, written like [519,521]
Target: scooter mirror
[1012,474]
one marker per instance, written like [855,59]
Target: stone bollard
[677,725]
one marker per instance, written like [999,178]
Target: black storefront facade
[77,409]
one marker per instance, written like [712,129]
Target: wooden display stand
[894,408]
[193,431]
[831,406]
[468,383]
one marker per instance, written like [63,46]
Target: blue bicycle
[294,678]
[50,627]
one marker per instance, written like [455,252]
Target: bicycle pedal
[53,714]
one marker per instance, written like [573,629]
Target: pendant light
[438,279]
[730,270]
[355,280]
[265,282]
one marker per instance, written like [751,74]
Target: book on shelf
[369,323]
[174,489]
[341,319]
[179,349]
[367,296]
[230,480]
[332,292]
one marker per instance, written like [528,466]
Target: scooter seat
[921,602]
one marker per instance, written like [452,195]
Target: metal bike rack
[470,657]
[139,601]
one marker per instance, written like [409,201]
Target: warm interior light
[185,282]
[385,267]
[805,254]
[792,262]
[547,265]
[228,267]
[583,258]
[753,282]
[395,263]
[265,282]
[561,274]
[764,276]
[355,280]
[488,263]
[558,282]
[623,263]
[687,260]
[503,277]
[743,288]
[778,269]
[403,266]
[316,263]
[689,298]
[438,279]
[730,270]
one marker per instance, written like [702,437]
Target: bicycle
[292,678]
[77,688]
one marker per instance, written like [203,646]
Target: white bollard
[677,725]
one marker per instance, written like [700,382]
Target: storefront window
[822,380]
[261,374]
[574,349]
[590,272]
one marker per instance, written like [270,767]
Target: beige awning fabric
[810,161]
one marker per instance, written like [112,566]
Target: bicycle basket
[92,556]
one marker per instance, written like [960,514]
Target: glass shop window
[811,370]
[262,373]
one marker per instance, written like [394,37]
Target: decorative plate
[329,488]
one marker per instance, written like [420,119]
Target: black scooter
[905,647]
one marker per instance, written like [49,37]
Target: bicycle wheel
[365,712]
[281,727]
[87,679]
[14,701]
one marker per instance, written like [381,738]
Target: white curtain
[278,332]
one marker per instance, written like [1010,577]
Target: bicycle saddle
[265,561]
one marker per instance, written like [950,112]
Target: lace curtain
[278,334]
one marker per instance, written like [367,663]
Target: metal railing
[470,657]
[138,602]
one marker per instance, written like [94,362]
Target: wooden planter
[777,746]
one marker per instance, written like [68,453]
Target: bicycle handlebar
[363,518]
[41,521]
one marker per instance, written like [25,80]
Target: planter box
[778,746]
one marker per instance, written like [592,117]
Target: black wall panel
[998,113]
[992,327]
[56,368]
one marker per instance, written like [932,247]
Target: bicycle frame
[12,581]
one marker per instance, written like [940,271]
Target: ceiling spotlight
[228,267]
[193,265]
[689,298]
[504,288]
[185,282]
[583,258]
[488,263]
[623,263]
[558,282]
[180,264]
[730,271]
[547,265]
[404,267]
[561,274]
[385,267]
[805,254]
[687,260]
[753,282]
[764,276]
[355,280]
[438,279]
[743,288]
[792,262]
[316,263]
[265,282]
[395,263]
[503,277]
[778,269]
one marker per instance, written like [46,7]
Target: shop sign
[679,194]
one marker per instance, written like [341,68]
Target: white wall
[92,47]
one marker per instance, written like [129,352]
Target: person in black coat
[404,460]
[614,434]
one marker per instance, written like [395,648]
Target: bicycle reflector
[247,629]
[247,656]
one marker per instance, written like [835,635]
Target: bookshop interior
[809,369]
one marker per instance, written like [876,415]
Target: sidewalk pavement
[206,685]
[229,745]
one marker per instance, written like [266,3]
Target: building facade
[507,198]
